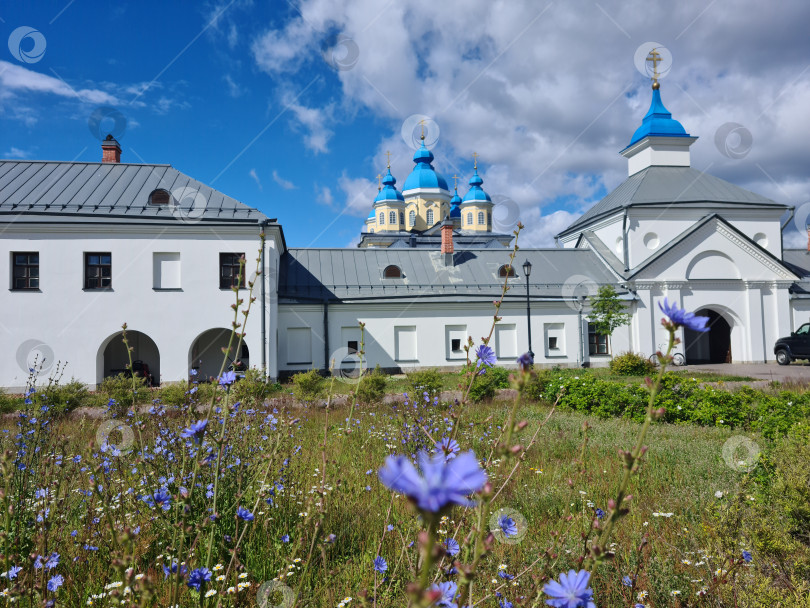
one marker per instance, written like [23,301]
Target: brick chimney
[447,241]
[110,150]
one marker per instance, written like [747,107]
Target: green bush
[371,388]
[424,381]
[8,403]
[535,388]
[120,388]
[253,389]
[484,385]
[631,364]
[64,398]
[175,393]
[308,386]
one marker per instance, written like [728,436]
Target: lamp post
[527,270]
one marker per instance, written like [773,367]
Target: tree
[607,311]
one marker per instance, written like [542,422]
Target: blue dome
[455,210]
[658,122]
[423,174]
[389,191]
[371,215]
[476,192]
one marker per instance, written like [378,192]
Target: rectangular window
[405,343]
[455,345]
[98,270]
[555,339]
[552,343]
[455,336]
[598,344]
[229,270]
[25,270]
[352,346]
[299,346]
[166,270]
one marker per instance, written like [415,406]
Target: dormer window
[392,272]
[506,271]
[159,197]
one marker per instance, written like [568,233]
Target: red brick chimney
[447,241]
[110,150]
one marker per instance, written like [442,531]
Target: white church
[91,246]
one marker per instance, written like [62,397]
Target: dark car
[795,346]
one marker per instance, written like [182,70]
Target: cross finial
[379,181]
[455,181]
[422,124]
[388,155]
[475,161]
[655,58]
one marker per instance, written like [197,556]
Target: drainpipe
[581,302]
[263,275]
[326,333]
[624,242]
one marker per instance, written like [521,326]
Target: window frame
[27,266]
[481,218]
[381,221]
[412,218]
[100,266]
[597,342]
[503,273]
[230,264]
[386,274]
[392,217]
[429,217]
[469,218]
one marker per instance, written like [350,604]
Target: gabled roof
[667,185]
[357,274]
[101,192]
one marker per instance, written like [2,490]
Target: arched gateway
[713,346]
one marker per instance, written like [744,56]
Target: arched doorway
[713,346]
[145,357]
[208,350]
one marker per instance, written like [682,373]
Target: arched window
[469,218]
[430,217]
[159,197]
[382,218]
[506,271]
[480,217]
[392,217]
[392,272]
[489,218]
[411,218]
[401,218]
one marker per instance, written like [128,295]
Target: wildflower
[449,447]
[55,582]
[227,379]
[161,497]
[210,593]
[243,575]
[627,581]
[285,539]
[198,577]
[507,526]
[53,561]
[718,494]
[195,431]
[486,357]
[380,565]
[113,585]
[448,591]
[571,592]
[747,556]
[452,547]
[12,573]
[244,514]
[599,513]
[680,317]
[217,568]
[525,361]
[441,483]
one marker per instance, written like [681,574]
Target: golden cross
[655,58]
[388,154]
[455,181]
[379,181]
[475,159]
[422,123]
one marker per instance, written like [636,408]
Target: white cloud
[324,196]
[17,79]
[548,94]
[234,90]
[286,184]
[17,153]
[359,191]
[252,173]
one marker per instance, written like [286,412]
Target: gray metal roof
[351,274]
[798,261]
[74,191]
[667,185]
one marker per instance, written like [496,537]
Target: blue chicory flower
[244,514]
[525,361]
[448,591]
[441,483]
[55,582]
[452,547]
[227,378]
[678,316]
[198,577]
[507,526]
[195,431]
[571,591]
[486,357]
[449,447]
[747,556]
[380,565]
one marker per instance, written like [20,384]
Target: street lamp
[527,270]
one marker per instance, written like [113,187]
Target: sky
[290,107]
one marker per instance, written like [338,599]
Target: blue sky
[290,106]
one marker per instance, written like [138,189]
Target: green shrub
[64,398]
[120,388]
[253,389]
[371,388]
[175,393]
[308,386]
[484,385]
[424,381]
[535,388]
[631,364]
[8,403]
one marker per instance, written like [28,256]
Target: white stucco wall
[74,325]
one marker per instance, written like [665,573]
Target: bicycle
[677,358]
